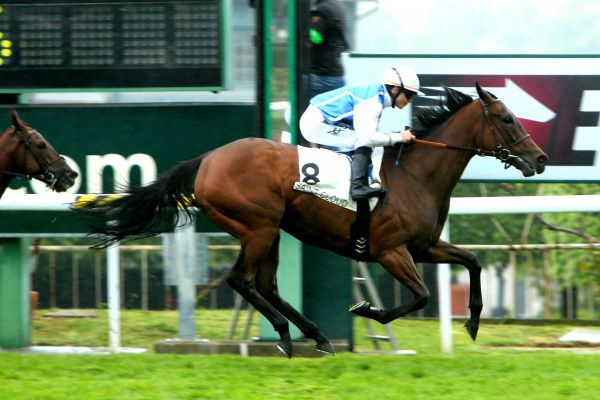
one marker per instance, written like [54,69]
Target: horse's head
[504,137]
[39,159]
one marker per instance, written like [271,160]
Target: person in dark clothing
[327,37]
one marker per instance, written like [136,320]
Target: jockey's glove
[401,137]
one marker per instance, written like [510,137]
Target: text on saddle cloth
[326,174]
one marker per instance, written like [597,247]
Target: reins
[478,151]
[396,163]
[444,145]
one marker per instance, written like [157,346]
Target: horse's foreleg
[400,265]
[443,252]
[266,284]
[242,280]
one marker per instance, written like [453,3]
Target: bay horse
[245,187]
[25,153]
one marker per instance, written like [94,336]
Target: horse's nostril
[73,175]
[542,160]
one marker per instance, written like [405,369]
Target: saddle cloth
[326,174]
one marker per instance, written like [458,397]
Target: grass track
[347,376]
[480,370]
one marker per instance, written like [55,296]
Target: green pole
[15,293]
[292,77]
[225,42]
[289,275]
[268,67]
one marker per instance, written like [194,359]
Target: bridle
[501,152]
[45,175]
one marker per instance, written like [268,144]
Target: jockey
[348,119]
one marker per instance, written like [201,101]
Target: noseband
[45,175]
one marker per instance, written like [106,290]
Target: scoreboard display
[131,44]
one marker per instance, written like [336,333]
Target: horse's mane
[432,116]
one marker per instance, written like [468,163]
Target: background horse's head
[34,157]
[503,134]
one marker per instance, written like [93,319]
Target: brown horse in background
[245,187]
[25,153]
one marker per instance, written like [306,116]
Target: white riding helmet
[402,76]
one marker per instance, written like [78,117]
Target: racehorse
[25,153]
[245,187]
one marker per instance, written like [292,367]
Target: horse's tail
[144,211]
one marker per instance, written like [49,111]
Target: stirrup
[366,192]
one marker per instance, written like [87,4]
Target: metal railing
[144,252]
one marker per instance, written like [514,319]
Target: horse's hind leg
[242,279]
[401,266]
[266,283]
[443,252]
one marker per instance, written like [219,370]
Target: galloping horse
[26,154]
[245,187]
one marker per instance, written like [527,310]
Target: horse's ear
[15,119]
[483,95]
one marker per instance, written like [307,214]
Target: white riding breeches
[364,133]
[316,130]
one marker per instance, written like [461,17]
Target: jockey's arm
[366,123]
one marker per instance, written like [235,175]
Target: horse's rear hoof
[472,328]
[285,348]
[325,347]
[364,309]
[361,308]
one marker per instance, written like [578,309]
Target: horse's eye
[508,119]
[41,145]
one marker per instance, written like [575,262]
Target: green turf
[488,369]
[144,328]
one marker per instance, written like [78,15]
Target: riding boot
[359,182]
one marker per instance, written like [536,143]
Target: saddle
[326,174]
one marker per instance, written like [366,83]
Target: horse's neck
[439,169]
[4,182]
[5,165]
[6,160]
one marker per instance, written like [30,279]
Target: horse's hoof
[285,348]
[472,328]
[364,309]
[360,308]
[325,347]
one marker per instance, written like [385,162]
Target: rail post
[15,292]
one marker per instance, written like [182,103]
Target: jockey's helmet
[403,77]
